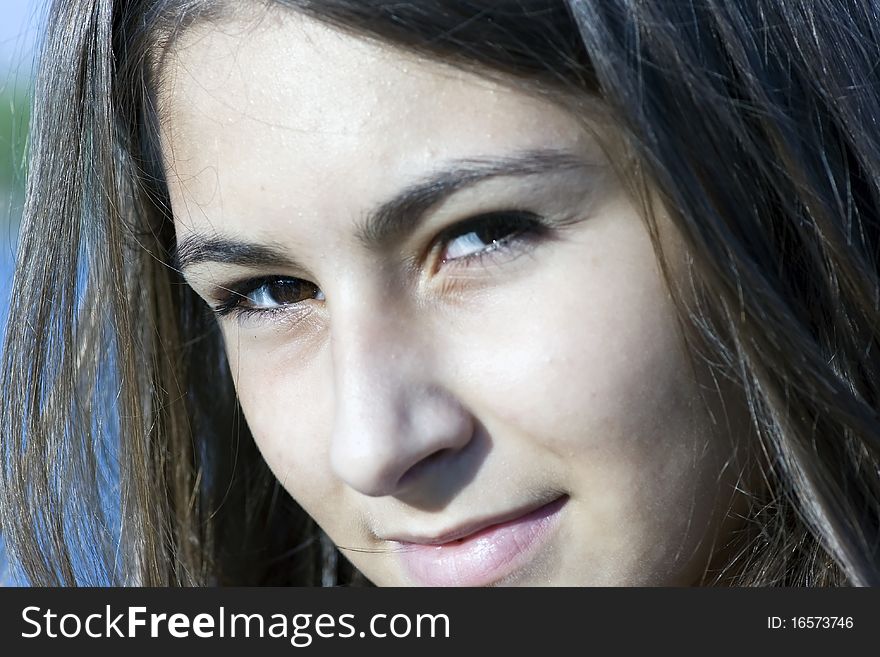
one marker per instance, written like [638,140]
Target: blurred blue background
[21,29]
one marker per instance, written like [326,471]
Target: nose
[393,423]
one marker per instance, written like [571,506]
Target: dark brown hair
[124,456]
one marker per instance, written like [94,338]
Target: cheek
[282,392]
[586,354]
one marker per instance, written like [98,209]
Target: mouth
[481,553]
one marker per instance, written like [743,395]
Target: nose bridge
[390,413]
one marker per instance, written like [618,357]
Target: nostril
[427,463]
[436,456]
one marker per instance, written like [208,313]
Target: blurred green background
[20,32]
[14,118]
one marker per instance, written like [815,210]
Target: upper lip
[471,527]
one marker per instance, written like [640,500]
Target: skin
[413,395]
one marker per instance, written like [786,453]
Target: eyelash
[527,229]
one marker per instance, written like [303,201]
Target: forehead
[314,119]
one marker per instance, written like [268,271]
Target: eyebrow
[390,221]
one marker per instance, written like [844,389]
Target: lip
[482,552]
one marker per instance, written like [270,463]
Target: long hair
[124,456]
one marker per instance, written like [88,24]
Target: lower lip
[485,556]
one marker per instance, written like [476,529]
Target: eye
[487,233]
[268,294]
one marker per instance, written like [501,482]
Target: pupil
[287,291]
[495,231]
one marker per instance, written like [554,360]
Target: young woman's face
[443,315]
